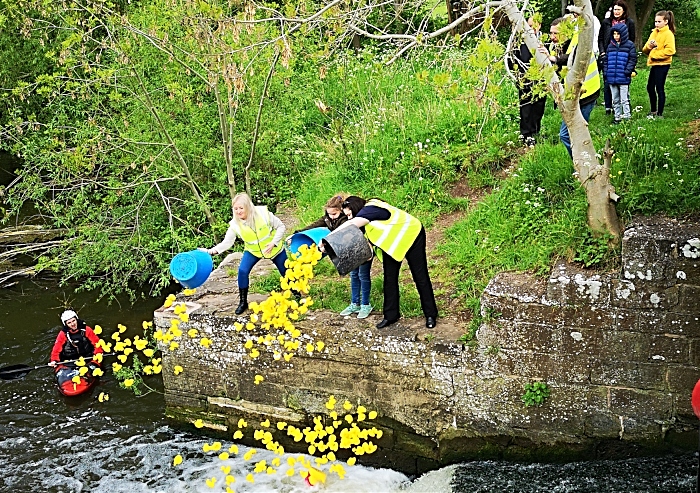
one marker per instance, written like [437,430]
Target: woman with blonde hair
[263,235]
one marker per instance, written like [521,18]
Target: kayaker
[75,340]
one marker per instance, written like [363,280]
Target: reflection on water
[49,443]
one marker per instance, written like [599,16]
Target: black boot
[243,305]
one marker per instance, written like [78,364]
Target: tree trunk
[594,177]
[256,131]
[640,11]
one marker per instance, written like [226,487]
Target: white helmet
[67,315]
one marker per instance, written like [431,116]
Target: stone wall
[619,351]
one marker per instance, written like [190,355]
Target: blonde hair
[250,211]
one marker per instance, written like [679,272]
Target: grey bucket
[347,248]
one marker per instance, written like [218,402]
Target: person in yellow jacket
[561,50]
[398,235]
[660,47]
[263,235]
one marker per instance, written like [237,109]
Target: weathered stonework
[620,353]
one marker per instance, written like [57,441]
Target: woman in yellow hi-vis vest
[263,234]
[562,49]
[399,236]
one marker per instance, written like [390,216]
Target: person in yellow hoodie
[660,47]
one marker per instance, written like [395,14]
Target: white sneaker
[364,312]
[352,308]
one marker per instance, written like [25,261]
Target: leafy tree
[119,136]
[592,174]
[149,111]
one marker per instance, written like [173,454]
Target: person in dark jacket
[75,340]
[332,214]
[620,61]
[531,106]
[618,15]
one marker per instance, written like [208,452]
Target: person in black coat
[620,61]
[531,106]
[617,15]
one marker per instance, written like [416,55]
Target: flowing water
[49,443]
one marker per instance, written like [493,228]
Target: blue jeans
[360,283]
[564,131]
[248,262]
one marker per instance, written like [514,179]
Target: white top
[232,232]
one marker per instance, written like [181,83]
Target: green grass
[410,138]
[539,212]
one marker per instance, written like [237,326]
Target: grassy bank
[532,210]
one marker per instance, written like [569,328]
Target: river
[49,443]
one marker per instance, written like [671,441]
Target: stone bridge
[620,352]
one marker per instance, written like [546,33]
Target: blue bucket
[191,269]
[308,238]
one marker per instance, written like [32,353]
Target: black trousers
[655,86]
[418,263]
[531,113]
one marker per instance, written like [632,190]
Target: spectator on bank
[660,47]
[619,64]
[531,105]
[560,51]
[616,16]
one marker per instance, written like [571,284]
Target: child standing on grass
[360,280]
[660,47]
[620,60]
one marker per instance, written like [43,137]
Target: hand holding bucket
[307,237]
[347,248]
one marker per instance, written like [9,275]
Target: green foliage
[493,350]
[594,250]
[266,284]
[133,375]
[535,394]
[97,162]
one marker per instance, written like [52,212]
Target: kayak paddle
[15,372]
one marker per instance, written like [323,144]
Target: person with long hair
[618,15]
[263,235]
[332,214]
[337,210]
[360,280]
[660,47]
[397,235]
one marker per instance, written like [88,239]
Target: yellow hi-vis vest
[257,239]
[591,83]
[394,235]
